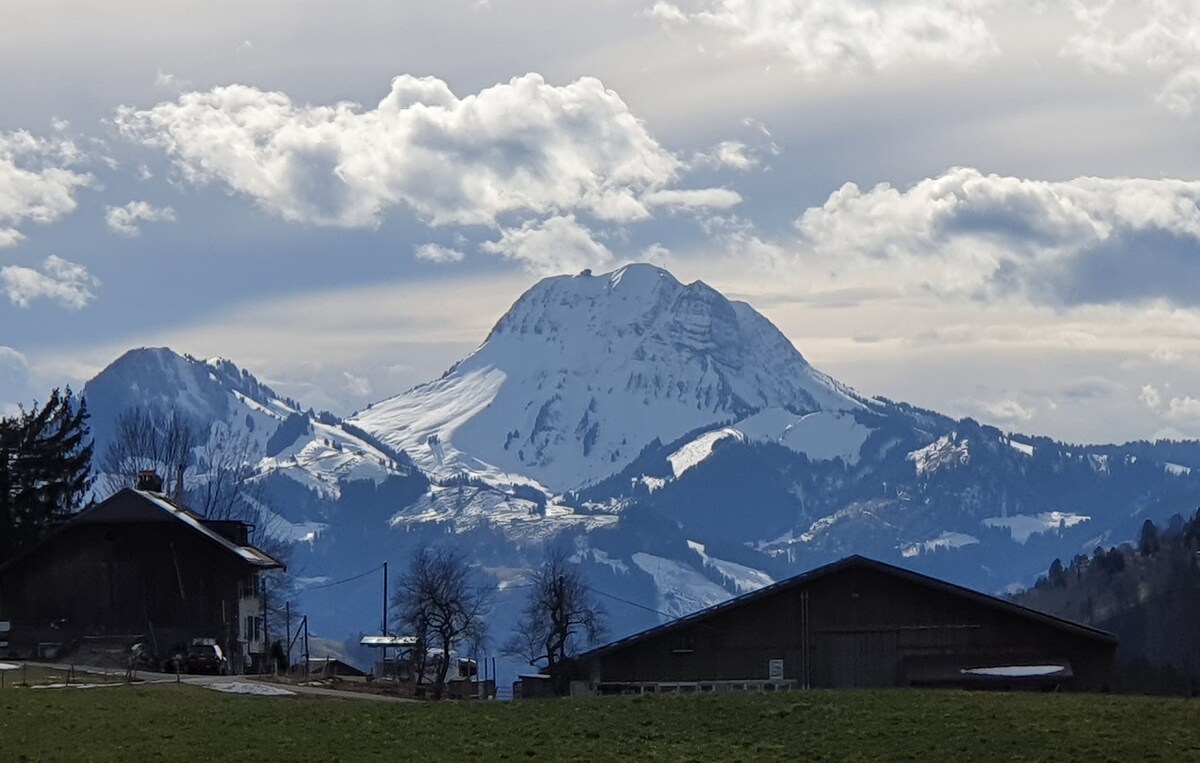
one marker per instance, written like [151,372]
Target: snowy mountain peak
[227,404]
[583,371]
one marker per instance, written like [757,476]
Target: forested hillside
[1146,594]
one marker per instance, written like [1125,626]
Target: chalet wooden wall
[135,578]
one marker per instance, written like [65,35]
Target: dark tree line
[1143,592]
[45,466]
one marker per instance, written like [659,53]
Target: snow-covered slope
[584,371]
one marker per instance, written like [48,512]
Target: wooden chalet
[855,623]
[138,568]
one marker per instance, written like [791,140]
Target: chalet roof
[859,562]
[135,506]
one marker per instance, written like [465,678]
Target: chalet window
[250,587]
[254,628]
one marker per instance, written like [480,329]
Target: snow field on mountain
[468,506]
[743,578]
[821,435]
[699,449]
[681,589]
[946,451]
[946,540]
[1020,447]
[1025,525]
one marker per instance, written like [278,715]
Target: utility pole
[306,659]
[383,626]
[287,609]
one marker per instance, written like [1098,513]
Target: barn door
[848,659]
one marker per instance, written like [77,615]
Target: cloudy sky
[986,207]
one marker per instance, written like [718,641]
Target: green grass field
[173,722]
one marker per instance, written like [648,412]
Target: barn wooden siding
[857,623]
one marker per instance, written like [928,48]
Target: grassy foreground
[173,722]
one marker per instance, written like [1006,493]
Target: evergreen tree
[1148,541]
[1057,576]
[45,466]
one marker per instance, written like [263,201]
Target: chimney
[149,480]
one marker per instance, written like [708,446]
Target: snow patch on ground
[9,666]
[256,689]
[681,589]
[945,540]
[1020,447]
[652,483]
[1015,671]
[699,449]
[601,557]
[1025,525]
[1177,470]
[744,579]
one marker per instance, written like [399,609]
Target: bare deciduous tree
[224,486]
[148,440]
[220,468]
[440,600]
[560,617]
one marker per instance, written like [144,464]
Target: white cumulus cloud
[1087,240]
[36,184]
[124,219]
[1151,396]
[438,253]
[557,245]
[59,280]
[1186,407]
[522,147]
[701,198]
[1164,38]
[857,35]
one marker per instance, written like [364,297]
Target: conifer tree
[1148,540]
[45,466]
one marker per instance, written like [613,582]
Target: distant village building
[855,623]
[138,567]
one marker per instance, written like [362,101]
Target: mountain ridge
[735,462]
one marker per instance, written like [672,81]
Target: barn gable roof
[129,506]
[858,562]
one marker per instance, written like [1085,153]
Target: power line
[630,603]
[347,580]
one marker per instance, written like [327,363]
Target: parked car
[206,658]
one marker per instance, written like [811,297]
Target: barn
[138,568]
[855,623]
